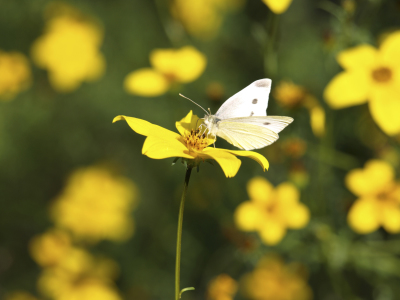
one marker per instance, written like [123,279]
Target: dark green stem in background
[179,235]
[270,56]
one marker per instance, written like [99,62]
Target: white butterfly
[242,120]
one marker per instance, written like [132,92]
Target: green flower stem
[179,234]
[270,55]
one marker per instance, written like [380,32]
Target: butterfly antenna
[194,103]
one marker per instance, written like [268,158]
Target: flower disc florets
[382,74]
[196,140]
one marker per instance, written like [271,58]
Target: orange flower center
[271,208]
[196,140]
[388,195]
[170,77]
[382,74]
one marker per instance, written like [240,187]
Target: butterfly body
[211,122]
[242,119]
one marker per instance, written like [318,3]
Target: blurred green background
[46,134]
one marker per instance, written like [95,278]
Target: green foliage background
[45,135]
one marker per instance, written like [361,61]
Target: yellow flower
[278,6]
[223,287]
[379,198]
[191,144]
[50,248]
[19,295]
[271,211]
[15,74]
[291,95]
[294,147]
[169,66]
[89,290]
[69,50]
[317,120]
[96,205]
[370,75]
[203,18]
[74,272]
[273,280]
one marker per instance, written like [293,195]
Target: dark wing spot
[267,123]
[254,101]
[252,113]
[263,83]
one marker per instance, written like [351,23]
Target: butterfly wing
[245,135]
[274,123]
[251,101]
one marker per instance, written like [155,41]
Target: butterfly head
[211,122]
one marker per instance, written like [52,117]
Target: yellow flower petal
[371,180]
[361,57]
[158,148]
[15,74]
[385,108]
[287,194]
[396,193]
[183,65]
[146,128]
[200,18]
[363,216]
[62,83]
[253,155]
[317,120]
[391,217]
[248,216]
[272,232]
[188,123]
[260,190]
[297,216]
[146,82]
[96,68]
[278,6]
[348,89]
[229,163]
[390,49]
[50,248]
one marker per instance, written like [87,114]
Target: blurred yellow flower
[298,174]
[278,6]
[271,211]
[19,295]
[203,18]
[294,147]
[215,91]
[290,95]
[372,76]
[190,144]
[79,276]
[223,287]
[15,74]
[69,49]
[273,280]
[90,290]
[169,66]
[379,198]
[50,248]
[96,205]
[317,120]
